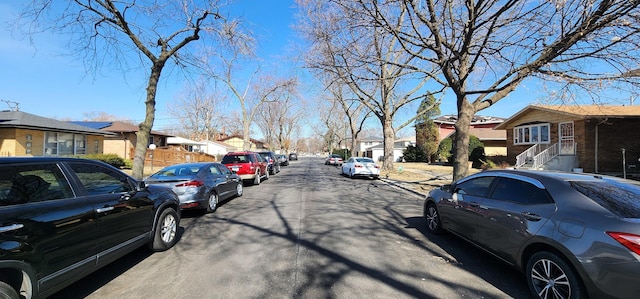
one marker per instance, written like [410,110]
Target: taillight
[194,183]
[376,166]
[630,241]
[357,166]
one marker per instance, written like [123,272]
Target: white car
[361,166]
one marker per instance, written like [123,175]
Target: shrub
[476,150]
[111,159]
[444,149]
[414,154]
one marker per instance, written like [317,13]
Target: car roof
[42,159]
[542,175]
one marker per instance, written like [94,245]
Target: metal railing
[527,155]
[545,156]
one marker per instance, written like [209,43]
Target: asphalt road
[308,232]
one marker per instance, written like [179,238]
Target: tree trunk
[142,140]
[461,140]
[389,140]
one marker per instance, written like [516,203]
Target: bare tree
[108,32]
[198,112]
[483,50]
[250,94]
[373,65]
[278,120]
[355,111]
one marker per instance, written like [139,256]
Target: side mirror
[446,187]
[142,185]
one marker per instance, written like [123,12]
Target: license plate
[235,168]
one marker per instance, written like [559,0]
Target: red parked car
[250,166]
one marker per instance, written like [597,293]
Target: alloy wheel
[549,280]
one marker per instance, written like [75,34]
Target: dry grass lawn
[421,177]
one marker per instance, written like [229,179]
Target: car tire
[166,233]
[212,203]
[239,190]
[8,292]
[432,218]
[548,275]
[266,175]
[351,174]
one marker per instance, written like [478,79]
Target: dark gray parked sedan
[200,185]
[573,235]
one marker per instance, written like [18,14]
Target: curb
[400,184]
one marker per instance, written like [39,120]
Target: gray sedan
[199,185]
[573,235]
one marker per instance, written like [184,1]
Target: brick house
[24,134]
[588,138]
[481,126]
[123,140]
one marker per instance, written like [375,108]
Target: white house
[376,152]
[187,144]
[216,148]
[366,143]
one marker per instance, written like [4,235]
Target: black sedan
[573,235]
[199,185]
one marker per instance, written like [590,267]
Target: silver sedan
[573,235]
[199,185]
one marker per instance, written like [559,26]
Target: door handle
[9,228]
[531,216]
[103,210]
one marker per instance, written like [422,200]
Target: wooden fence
[161,157]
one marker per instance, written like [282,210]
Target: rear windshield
[233,159]
[623,199]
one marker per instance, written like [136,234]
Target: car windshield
[176,170]
[231,159]
[623,199]
[365,160]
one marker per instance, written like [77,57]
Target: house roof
[484,134]
[581,111]
[372,138]
[221,144]
[115,127]
[476,120]
[183,141]
[19,119]
[396,145]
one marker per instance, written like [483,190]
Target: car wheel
[239,190]
[166,230]
[6,291]
[256,180]
[266,175]
[212,204]
[351,173]
[432,218]
[549,276]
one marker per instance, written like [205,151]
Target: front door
[566,138]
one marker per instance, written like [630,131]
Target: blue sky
[46,81]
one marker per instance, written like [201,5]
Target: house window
[28,143]
[62,144]
[531,134]
[81,144]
